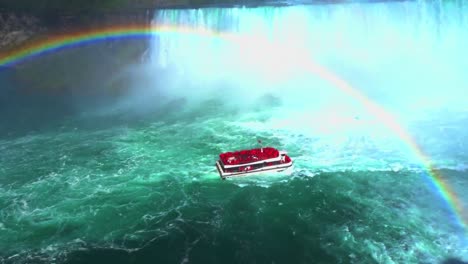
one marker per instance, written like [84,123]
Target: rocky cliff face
[16,29]
[21,20]
[87,69]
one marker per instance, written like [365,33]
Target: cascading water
[423,42]
[122,187]
[405,56]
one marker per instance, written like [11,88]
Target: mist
[407,56]
[260,65]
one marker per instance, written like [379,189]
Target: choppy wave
[130,188]
[136,181]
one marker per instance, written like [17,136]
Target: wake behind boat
[252,162]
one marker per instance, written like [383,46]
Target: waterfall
[381,47]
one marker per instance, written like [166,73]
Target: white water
[405,54]
[78,186]
[409,57]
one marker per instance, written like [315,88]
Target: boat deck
[248,156]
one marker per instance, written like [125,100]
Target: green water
[132,180]
[143,187]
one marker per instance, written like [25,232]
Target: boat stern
[220,170]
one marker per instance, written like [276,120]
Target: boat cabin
[254,159]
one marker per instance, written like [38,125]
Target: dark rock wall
[15,29]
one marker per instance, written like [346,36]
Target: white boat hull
[285,168]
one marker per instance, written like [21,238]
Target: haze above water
[135,179]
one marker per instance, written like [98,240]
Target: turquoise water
[135,181]
[144,188]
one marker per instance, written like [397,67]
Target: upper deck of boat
[248,156]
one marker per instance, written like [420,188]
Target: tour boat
[253,162]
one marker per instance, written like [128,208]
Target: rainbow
[80,38]
[69,40]
[443,188]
